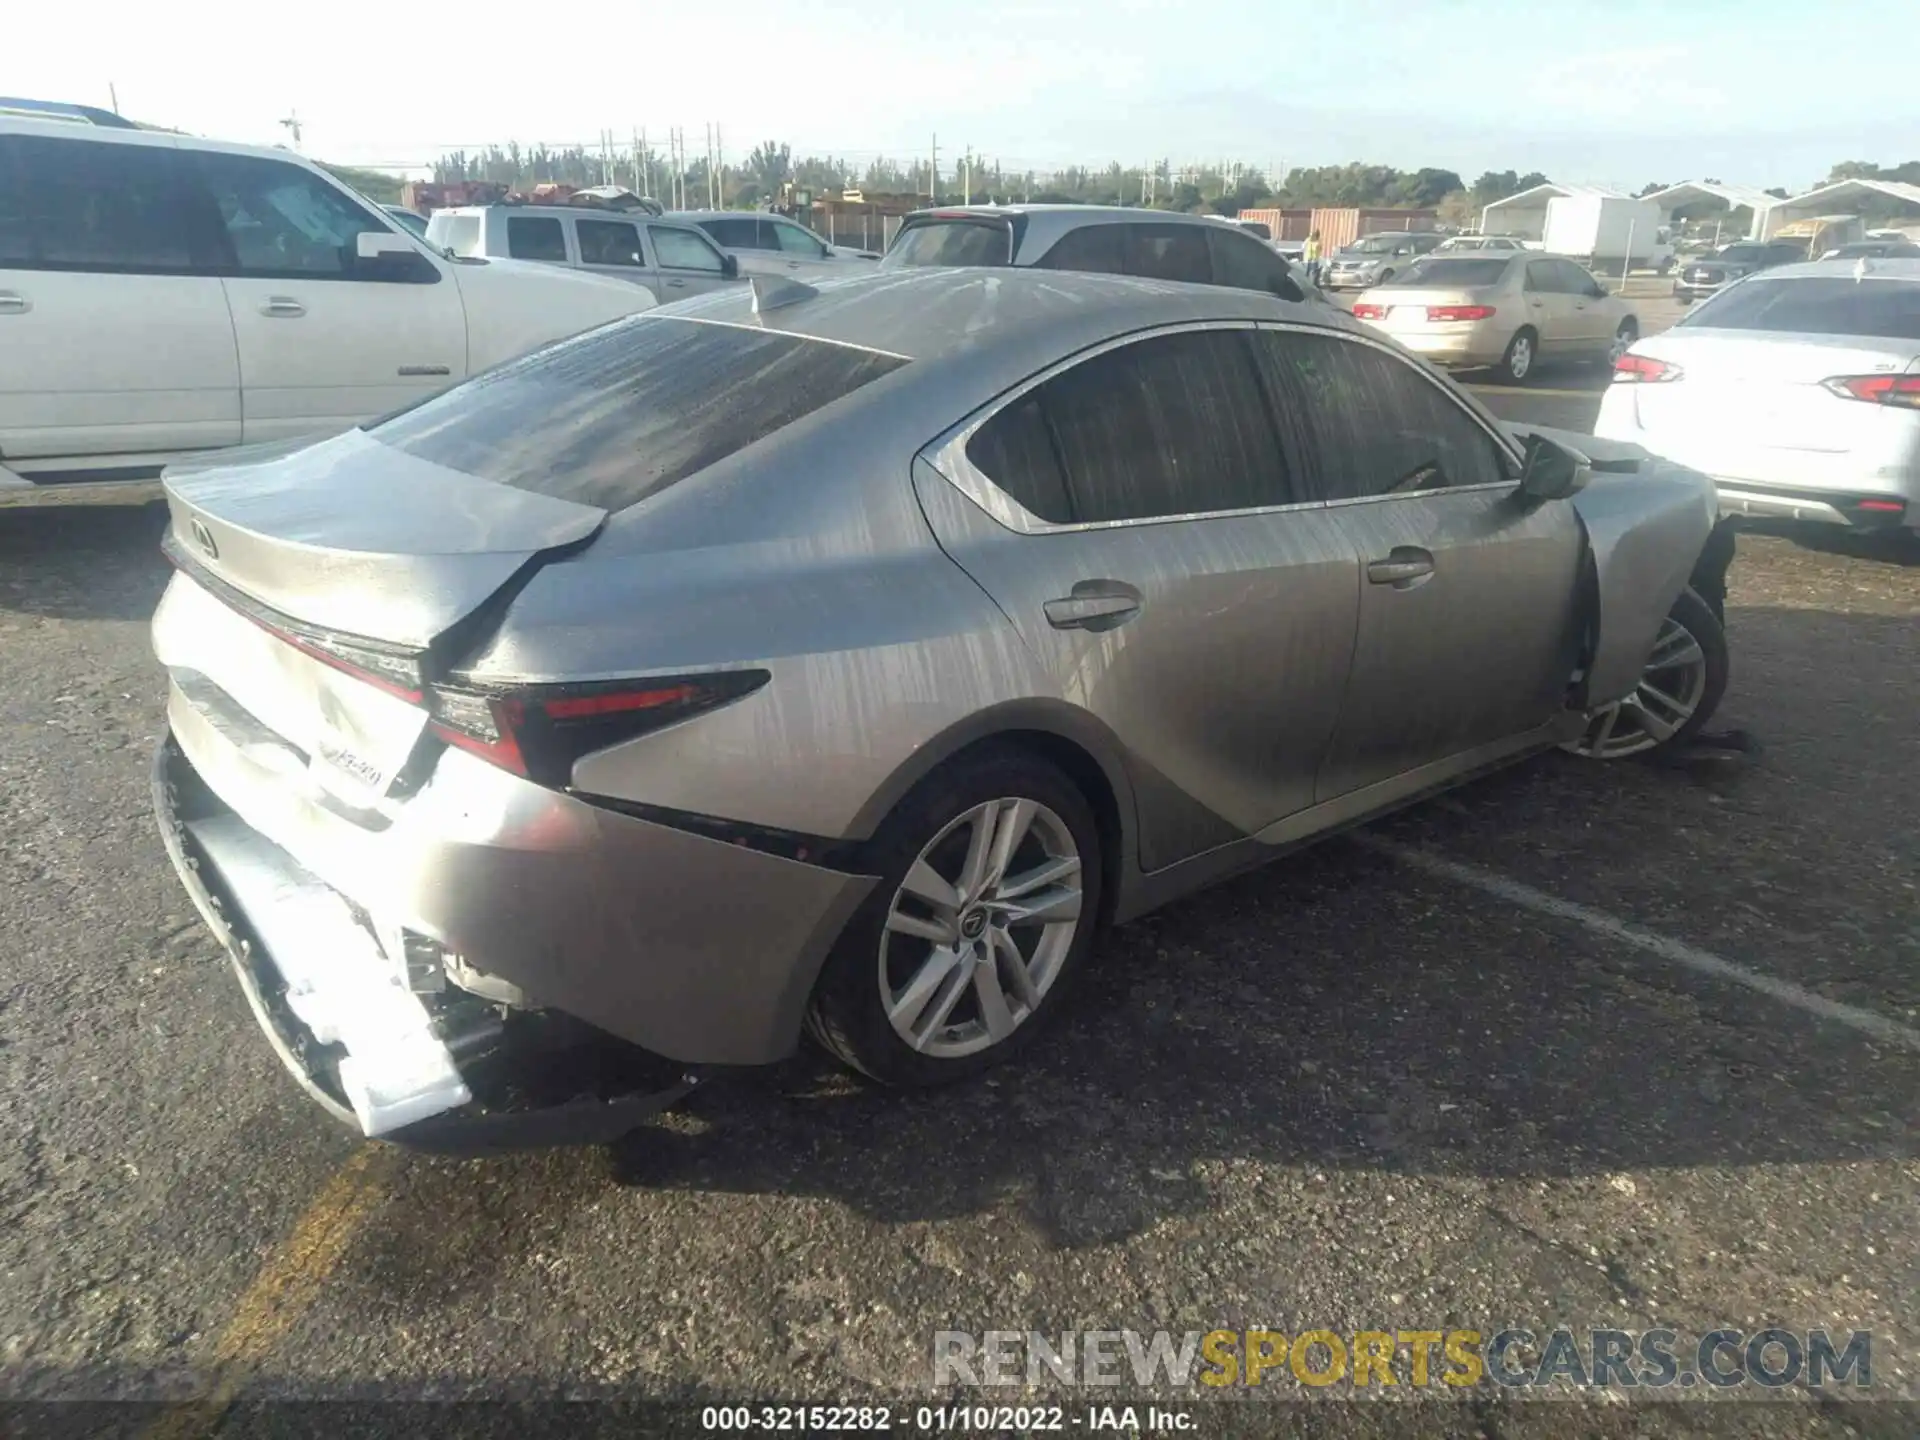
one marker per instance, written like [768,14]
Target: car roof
[698,215]
[579,212]
[924,313]
[1136,213]
[1885,268]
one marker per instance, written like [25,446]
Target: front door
[1468,607]
[325,339]
[115,346]
[1550,310]
[689,263]
[1135,517]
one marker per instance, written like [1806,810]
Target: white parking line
[1676,951]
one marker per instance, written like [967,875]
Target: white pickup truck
[165,296]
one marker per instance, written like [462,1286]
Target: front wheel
[1680,687]
[989,893]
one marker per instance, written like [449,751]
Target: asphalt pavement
[1602,1046]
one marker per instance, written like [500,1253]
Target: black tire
[1505,369]
[1385,276]
[847,1015]
[1698,617]
[1629,331]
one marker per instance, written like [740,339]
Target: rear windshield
[970,241]
[1453,271]
[1882,309]
[624,411]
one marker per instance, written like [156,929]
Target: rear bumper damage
[600,960]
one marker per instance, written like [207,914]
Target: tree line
[1224,188]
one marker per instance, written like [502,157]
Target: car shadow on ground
[82,562]
[1881,547]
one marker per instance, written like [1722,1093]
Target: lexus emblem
[203,537]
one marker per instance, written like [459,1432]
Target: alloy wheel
[1623,340]
[1520,357]
[1670,690]
[980,928]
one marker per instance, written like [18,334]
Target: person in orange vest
[1310,252]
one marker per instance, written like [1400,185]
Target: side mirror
[1551,471]
[730,266]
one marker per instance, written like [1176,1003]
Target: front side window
[1169,252]
[536,237]
[735,232]
[1168,426]
[283,221]
[1246,264]
[1378,425]
[795,241]
[80,205]
[1543,278]
[609,242]
[624,411]
[1574,280]
[684,250]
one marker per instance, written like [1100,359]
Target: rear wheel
[1680,687]
[1517,363]
[989,891]
[1623,339]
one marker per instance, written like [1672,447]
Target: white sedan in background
[1797,389]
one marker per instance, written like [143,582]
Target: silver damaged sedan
[839,659]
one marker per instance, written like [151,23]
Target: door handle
[1404,567]
[282,307]
[14,303]
[1094,605]
[676,284]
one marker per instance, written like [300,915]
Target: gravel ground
[1346,1092]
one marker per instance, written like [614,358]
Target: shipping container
[1290,224]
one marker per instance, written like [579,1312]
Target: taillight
[539,731]
[1437,313]
[1901,390]
[1369,312]
[1644,370]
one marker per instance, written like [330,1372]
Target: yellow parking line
[1535,390]
[283,1291]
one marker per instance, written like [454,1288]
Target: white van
[163,296]
[670,259]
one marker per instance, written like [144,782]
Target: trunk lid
[353,536]
[1747,388]
[1404,307]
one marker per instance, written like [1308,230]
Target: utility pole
[933,172]
[720,159]
[966,185]
[113,97]
[292,125]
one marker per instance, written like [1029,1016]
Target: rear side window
[1169,252]
[79,205]
[1378,426]
[609,242]
[1876,309]
[459,233]
[1173,425]
[969,241]
[536,237]
[623,412]
[1099,249]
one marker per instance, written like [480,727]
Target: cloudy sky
[1622,92]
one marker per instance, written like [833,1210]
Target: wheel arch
[1064,736]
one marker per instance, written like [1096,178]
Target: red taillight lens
[539,732]
[1369,312]
[1901,390]
[1438,313]
[1644,370]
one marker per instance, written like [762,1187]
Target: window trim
[947,452]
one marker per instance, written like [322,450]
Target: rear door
[1136,517]
[325,338]
[1550,309]
[115,344]
[1468,620]
[613,247]
[688,262]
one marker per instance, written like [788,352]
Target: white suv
[162,296]
[669,259]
